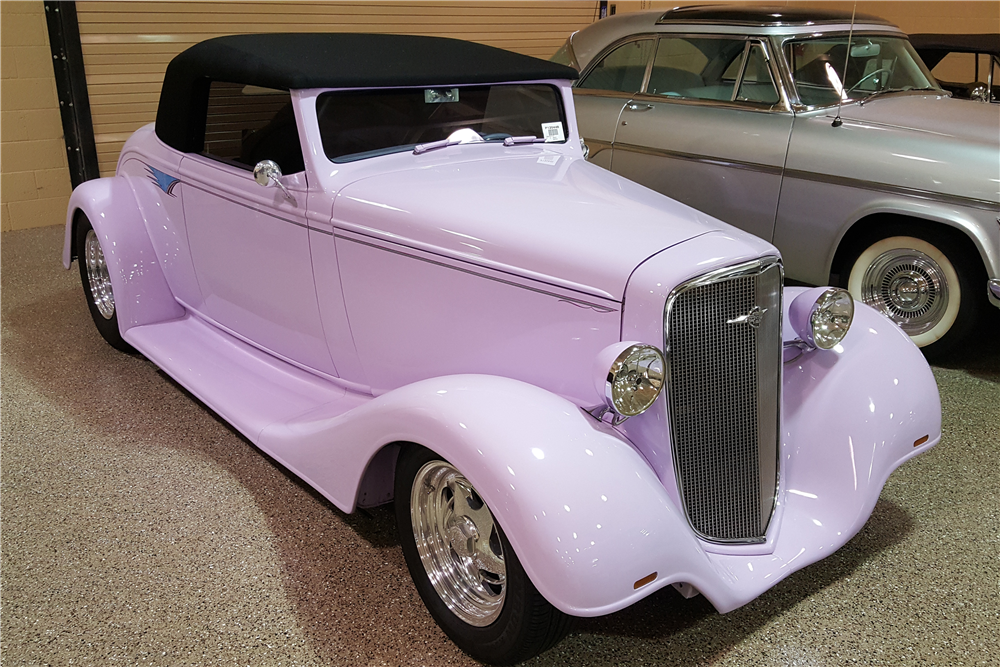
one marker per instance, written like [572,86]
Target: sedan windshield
[357,124]
[875,64]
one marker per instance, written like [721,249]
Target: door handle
[639,107]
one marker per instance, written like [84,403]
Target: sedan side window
[247,124]
[621,70]
[757,84]
[701,68]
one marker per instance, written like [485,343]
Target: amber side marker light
[921,441]
[649,578]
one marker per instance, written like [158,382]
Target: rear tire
[465,568]
[921,280]
[97,285]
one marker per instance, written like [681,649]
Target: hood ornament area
[753,318]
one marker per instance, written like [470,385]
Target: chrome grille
[723,342]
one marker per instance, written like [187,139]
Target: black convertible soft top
[933,47]
[327,60]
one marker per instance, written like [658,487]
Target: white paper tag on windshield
[553,132]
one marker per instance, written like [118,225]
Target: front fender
[851,415]
[585,513]
[141,292]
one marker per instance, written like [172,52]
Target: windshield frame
[781,42]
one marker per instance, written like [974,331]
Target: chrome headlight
[634,380]
[822,320]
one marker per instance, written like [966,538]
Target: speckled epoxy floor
[139,529]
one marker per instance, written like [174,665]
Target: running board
[248,388]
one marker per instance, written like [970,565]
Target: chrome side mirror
[267,173]
[980,93]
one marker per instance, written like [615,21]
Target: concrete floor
[139,529]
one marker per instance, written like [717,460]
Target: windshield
[357,124]
[877,64]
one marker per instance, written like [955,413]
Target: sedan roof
[328,60]
[762,16]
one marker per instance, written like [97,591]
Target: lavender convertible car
[386,261]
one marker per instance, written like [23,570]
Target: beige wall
[34,176]
[127,45]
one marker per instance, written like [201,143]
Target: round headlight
[634,380]
[831,317]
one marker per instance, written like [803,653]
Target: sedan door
[602,94]
[710,129]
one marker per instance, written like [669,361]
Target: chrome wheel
[909,287]
[98,277]
[912,282]
[458,543]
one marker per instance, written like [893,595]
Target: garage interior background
[126,48]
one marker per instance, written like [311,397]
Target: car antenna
[837,122]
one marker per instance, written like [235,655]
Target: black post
[71,86]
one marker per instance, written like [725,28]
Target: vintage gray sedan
[877,180]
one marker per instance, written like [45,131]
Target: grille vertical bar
[723,337]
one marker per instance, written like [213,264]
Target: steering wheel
[887,70]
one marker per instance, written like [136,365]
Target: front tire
[97,285]
[464,567]
[923,284]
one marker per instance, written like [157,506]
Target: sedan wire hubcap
[458,543]
[909,287]
[98,277]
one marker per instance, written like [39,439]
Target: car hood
[544,216]
[924,143]
[939,115]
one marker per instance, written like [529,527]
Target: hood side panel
[544,216]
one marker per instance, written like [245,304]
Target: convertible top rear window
[360,124]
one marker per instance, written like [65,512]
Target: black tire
[95,277]
[926,281]
[523,625]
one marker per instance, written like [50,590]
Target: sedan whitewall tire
[912,282]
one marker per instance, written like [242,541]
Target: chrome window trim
[782,106]
[608,49]
[739,75]
[780,82]
[782,40]
[754,267]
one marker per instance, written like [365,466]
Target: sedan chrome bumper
[994,290]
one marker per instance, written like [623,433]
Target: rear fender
[584,512]
[140,289]
[976,224]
